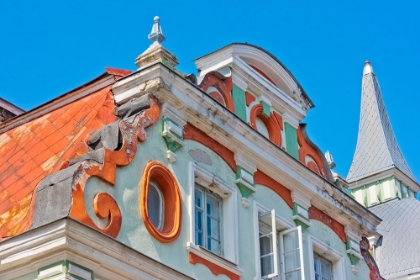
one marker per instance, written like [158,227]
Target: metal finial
[156,35]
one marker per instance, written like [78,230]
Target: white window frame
[281,224]
[229,231]
[325,251]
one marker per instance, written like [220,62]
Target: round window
[155,205]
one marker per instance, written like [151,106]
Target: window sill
[215,260]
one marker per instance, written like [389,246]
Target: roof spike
[156,35]
[368,68]
[377,149]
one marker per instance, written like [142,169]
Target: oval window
[155,205]
[160,202]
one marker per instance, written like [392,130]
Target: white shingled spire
[377,149]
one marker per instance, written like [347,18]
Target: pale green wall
[134,234]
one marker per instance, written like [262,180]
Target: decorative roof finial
[156,35]
[368,68]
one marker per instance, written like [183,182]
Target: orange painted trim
[262,74]
[279,119]
[223,86]
[249,98]
[218,97]
[316,214]
[369,260]
[214,268]
[159,173]
[306,150]
[193,133]
[271,123]
[132,134]
[261,178]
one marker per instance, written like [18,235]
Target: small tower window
[155,205]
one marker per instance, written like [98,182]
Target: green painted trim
[292,147]
[266,109]
[82,267]
[353,259]
[238,96]
[243,188]
[171,143]
[295,210]
[300,223]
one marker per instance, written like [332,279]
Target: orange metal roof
[40,147]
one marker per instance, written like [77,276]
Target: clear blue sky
[50,47]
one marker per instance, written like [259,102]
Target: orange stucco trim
[370,261]
[249,98]
[223,86]
[193,133]
[261,178]
[316,214]
[132,134]
[306,150]
[271,123]
[214,268]
[218,97]
[159,173]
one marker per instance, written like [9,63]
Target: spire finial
[156,35]
[368,68]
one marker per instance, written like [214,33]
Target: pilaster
[353,247]
[301,204]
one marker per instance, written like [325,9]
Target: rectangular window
[323,268]
[208,213]
[277,241]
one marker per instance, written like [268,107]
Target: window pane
[267,265]
[213,245]
[212,206]
[199,227]
[291,260]
[198,198]
[293,275]
[291,241]
[154,205]
[265,245]
[213,228]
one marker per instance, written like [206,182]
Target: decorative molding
[216,264]
[271,123]
[317,214]
[293,121]
[240,83]
[245,202]
[224,86]
[261,178]
[172,215]
[352,233]
[249,98]
[245,181]
[104,204]
[245,162]
[370,261]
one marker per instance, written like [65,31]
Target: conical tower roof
[377,149]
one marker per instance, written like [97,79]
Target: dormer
[261,91]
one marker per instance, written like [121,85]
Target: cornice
[104,255]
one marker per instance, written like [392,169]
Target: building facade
[154,174]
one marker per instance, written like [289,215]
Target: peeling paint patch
[200,156]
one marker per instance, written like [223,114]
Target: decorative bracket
[172,131]
[245,177]
[301,205]
[353,247]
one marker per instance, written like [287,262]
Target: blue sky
[50,47]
